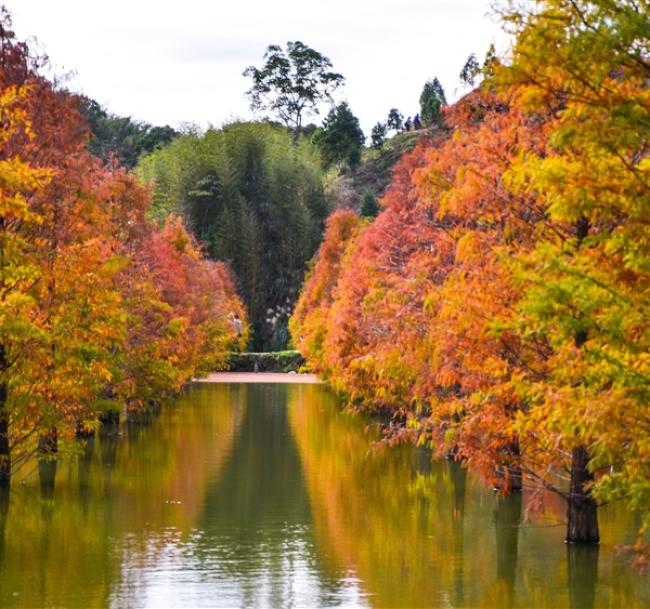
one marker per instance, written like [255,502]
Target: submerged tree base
[582,513]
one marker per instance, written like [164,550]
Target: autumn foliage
[498,306]
[99,308]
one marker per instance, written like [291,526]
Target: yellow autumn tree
[587,282]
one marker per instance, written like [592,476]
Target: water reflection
[270,496]
[431,536]
[4,509]
[252,542]
[507,519]
[582,563]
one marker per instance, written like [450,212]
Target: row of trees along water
[99,307]
[497,308]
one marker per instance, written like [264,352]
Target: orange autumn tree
[426,331]
[377,313]
[469,383]
[18,270]
[179,318]
[381,344]
[310,322]
[572,377]
[415,327]
[95,280]
[423,300]
[76,310]
[80,305]
[498,305]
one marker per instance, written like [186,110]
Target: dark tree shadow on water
[507,518]
[582,569]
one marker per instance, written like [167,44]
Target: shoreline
[259,377]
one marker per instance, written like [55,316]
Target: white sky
[181,62]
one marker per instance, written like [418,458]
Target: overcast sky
[181,62]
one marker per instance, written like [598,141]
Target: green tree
[473,71]
[432,99]
[489,63]
[341,138]
[395,119]
[378,134]
[253,196]
[292,83]
[369,206]
[470,71]
[121,136]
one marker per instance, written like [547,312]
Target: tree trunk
[109,417]
[4,514]
[509,476]
[582,526]
[48,446]
[453,453]
[5,456]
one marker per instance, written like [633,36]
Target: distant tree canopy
[253,196]
[378,134]
[395,119]
[341,138]
[369,206]
[470,70]
[432,99]
[292,83]
[121,135]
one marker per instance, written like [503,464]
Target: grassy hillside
[374,174]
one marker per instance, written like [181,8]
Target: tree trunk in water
[509,476]
[4,514]
[453,454]
[48,446]
[582,526]
[109,417]
[5,456]
[515,483]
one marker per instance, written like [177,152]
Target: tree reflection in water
[271,496]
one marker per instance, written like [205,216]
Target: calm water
[262,495]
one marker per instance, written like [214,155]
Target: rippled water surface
[268,496]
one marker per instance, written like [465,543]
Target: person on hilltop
[407,124]
[417,125]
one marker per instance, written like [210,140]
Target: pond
[270,496]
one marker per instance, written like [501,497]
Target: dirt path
[258,377]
